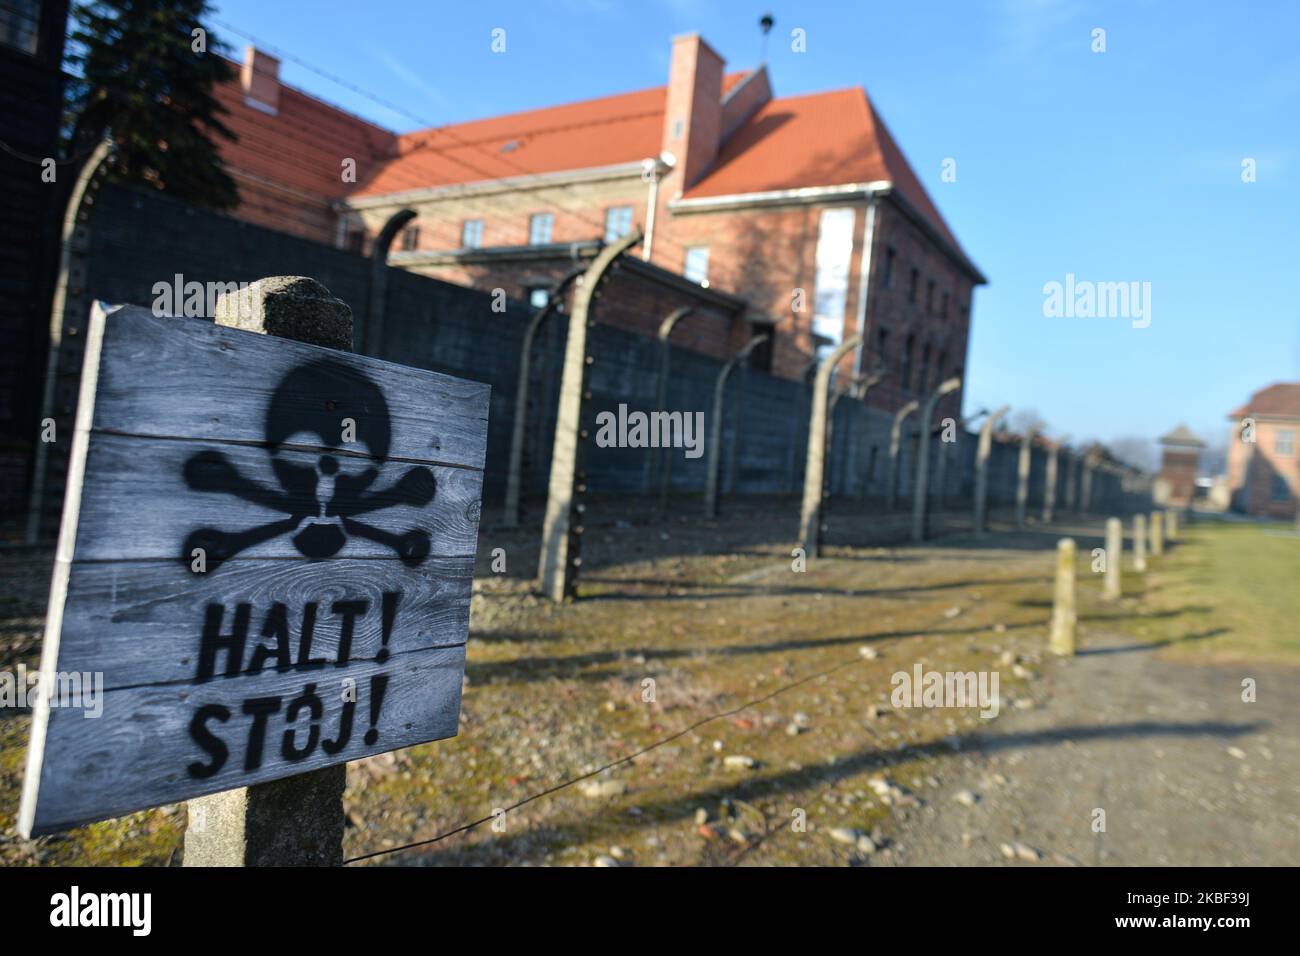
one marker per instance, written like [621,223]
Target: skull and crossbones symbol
[321,502]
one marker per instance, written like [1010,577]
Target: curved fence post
[557,571]
[715,436]
[663,462]
[1049,488]
[921,497]
[518,427]
[810,513]
[982,468]
[69,298]
[797,422]
[371,336]
[873,379]
[895,451]
[1023,466]
[1087,466]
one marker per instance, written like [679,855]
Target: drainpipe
[655,169]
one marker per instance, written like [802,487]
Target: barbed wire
[464,827]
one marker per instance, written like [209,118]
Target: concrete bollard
[1157,534]
[1139,543]
[1114,558]
[1063,613]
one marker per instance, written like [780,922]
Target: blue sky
[1124,165]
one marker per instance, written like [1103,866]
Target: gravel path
[1187,773]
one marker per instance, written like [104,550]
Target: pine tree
[144,75]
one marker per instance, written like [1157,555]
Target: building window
[890,255]
[882,341]
[929,297]
[943,364]
[410,238]
[20,23]
[925,369]
[618,222]
[914,287]
[471,234]
[539,228]
[907,362]
[943,306]
[1285,442]
[355,241]
[697,265]
[834,255]
[538,297]
[1281,490]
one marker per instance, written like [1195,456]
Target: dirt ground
[756,699]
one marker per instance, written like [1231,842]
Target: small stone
[605,862]
[869,653]
[866,846]
[1007,659]
[1237,752]
[701,816]
[793,729]
[604,788]
[1022,851]
[967,798]
[952,612]
[1024,673]
[801,719]
[616,852]
[846,835]
[739,762]
[875,712]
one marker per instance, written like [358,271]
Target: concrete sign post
[266,553]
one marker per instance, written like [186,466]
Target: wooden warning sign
[266,556]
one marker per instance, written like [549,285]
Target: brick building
[796,215]
[1264,452]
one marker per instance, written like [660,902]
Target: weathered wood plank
[160,744]
[138,504]
[217,511]
[144,622]
[150,384]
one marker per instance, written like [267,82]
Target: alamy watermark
[923,688]
[651,430]
[197,299]
[84,689]
[1085,299]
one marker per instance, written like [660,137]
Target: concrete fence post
[1114,558]
[1064,618]
[370,339]
[798,422]
[920,499]
[518,427]
[661,466]
[1023,465]
[1071,482]
[1049,488]
[562,529]
[874,379]
[1157,534]
[1171,524]
[298,820]
[1139,543]
[1087,467]
[810,513]
[895,452]
[69,299]
[982,467]
[715,426]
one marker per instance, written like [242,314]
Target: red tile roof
[821,139]
[1279,400]
[607,131]
[300,147]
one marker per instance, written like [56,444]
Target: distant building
[1264,452]
[798,216]
[1180,464]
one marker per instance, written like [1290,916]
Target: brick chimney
[260,79]
[693,114]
